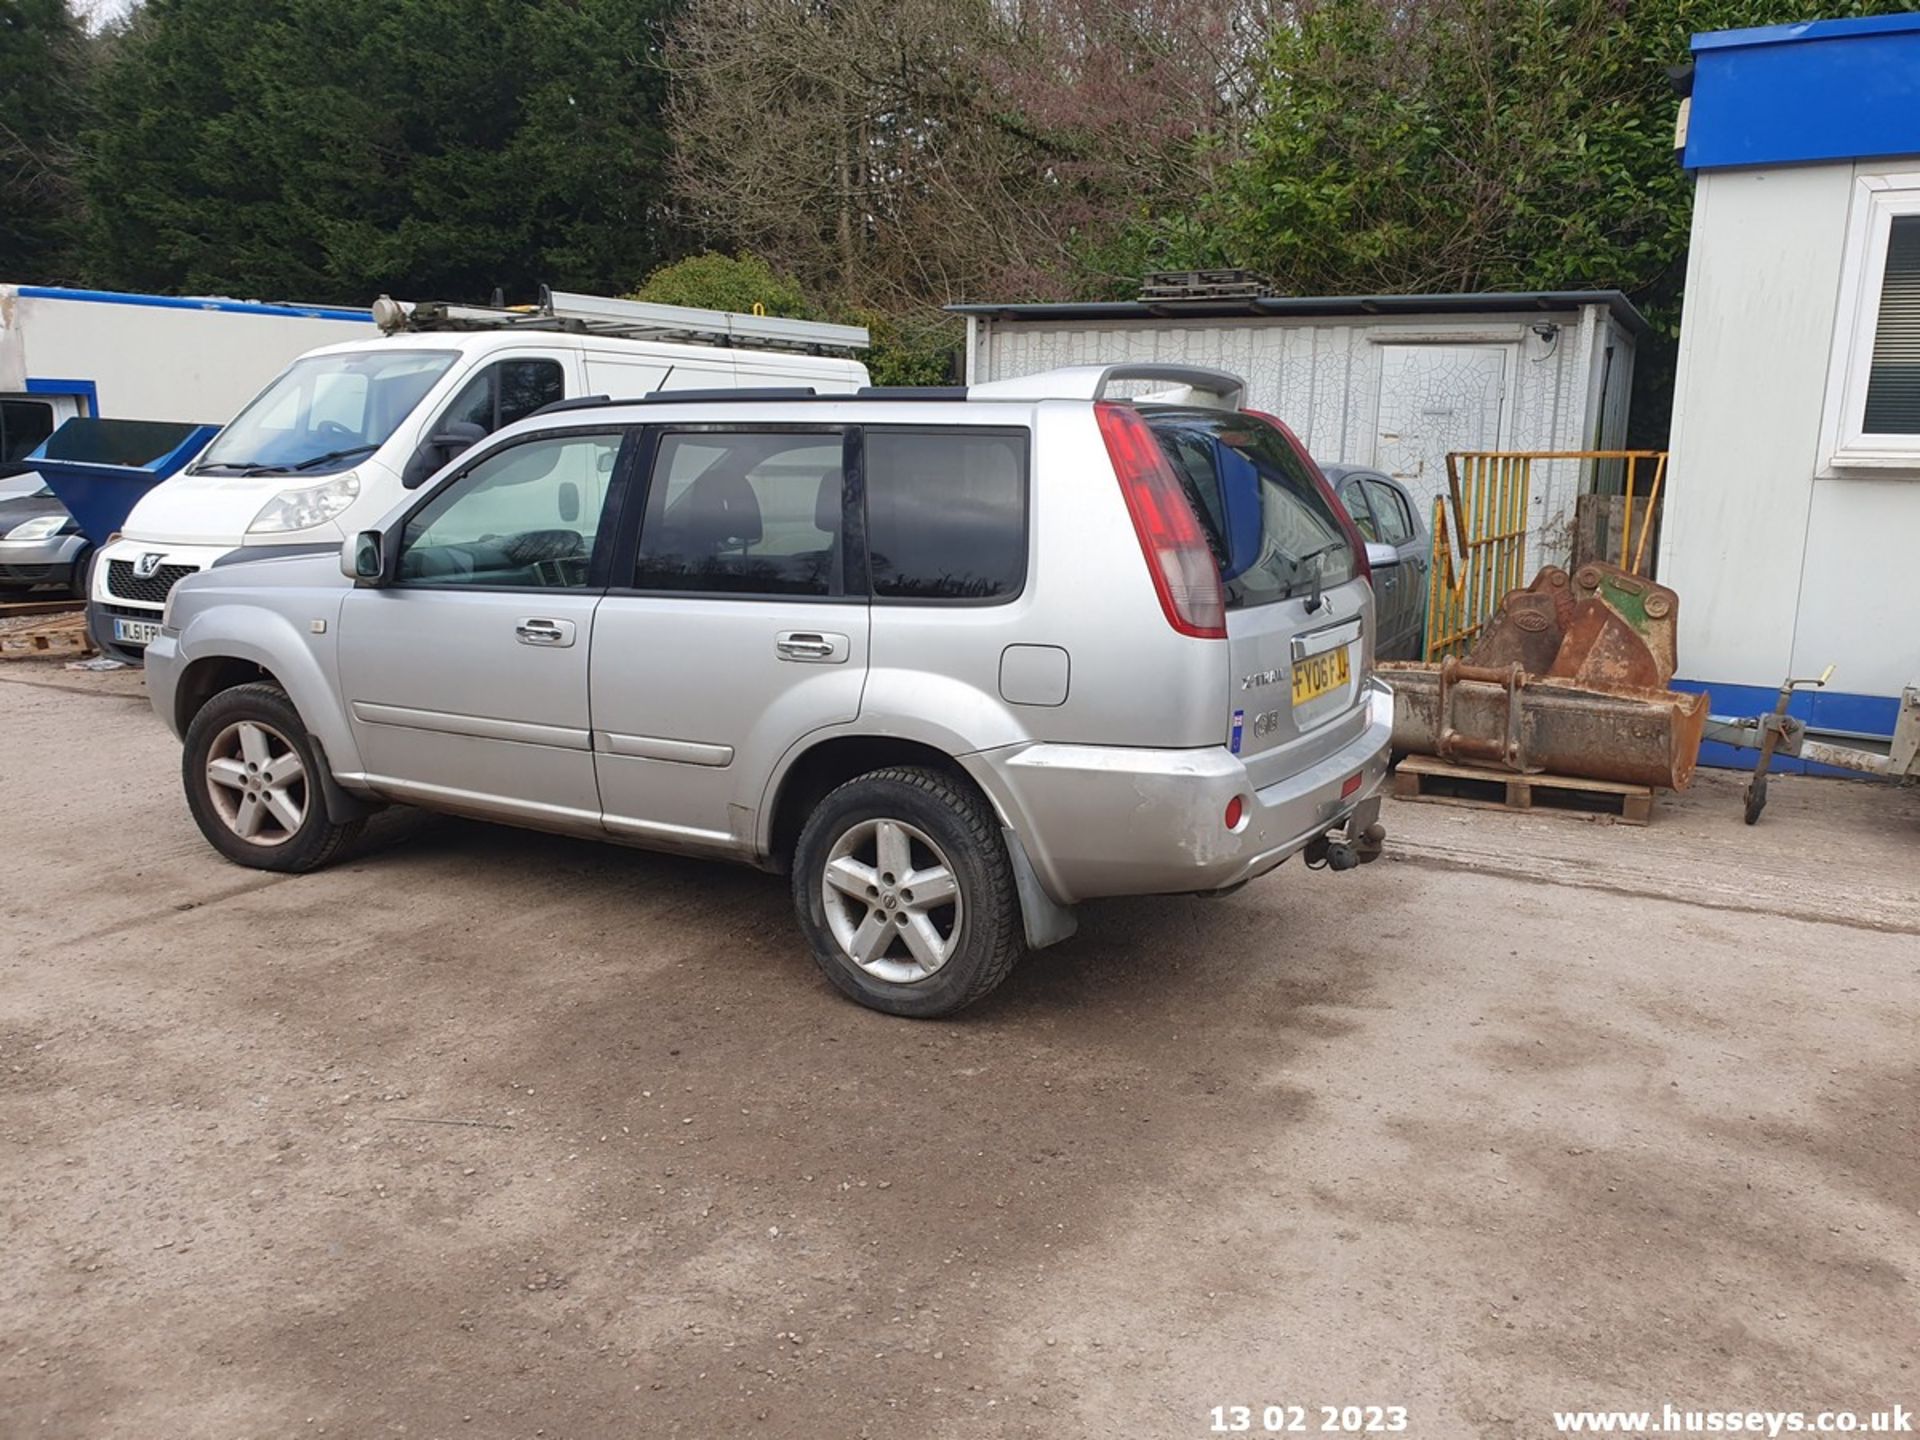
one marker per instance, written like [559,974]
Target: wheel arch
[818,767]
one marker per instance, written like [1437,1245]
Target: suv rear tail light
[1361,569]
[1185,576]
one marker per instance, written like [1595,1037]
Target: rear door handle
[538,630]
[811,647]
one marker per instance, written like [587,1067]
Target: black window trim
[605,538]
[853,563]
[1022,433]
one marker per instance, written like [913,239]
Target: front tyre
[905,892]
[251,774]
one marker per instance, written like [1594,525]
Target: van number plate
[1317,675]
[145,632]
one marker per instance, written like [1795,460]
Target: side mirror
[437,449]
[363,558]
[1380,556]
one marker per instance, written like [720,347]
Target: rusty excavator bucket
[1569,677]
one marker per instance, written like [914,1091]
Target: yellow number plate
[1318,674]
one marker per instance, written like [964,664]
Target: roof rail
[624,320]
[1212,389]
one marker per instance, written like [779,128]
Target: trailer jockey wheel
[1756,797]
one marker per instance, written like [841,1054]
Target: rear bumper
[1102,820]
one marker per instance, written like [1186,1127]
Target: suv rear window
[1269,525]
[946,513]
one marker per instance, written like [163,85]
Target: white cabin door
[1435,399]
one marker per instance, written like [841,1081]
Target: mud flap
[1045,920]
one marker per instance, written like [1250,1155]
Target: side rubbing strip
[479,726]
[654,747]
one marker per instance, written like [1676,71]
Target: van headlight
[306,507]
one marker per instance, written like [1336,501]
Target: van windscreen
[325,412]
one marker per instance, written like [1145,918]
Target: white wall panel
[1762,276]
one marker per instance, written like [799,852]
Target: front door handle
[811,647]
[538,630]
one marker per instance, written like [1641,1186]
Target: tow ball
[1344,853]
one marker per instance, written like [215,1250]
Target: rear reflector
[1185,576]
[1353,784]
[1236,807]
[1361,569]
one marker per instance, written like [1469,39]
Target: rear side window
[1271,530]
[946,514]
[742,512]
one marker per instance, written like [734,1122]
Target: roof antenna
[499,301]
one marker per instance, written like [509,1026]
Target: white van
[335,442]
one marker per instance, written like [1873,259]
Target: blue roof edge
[1804,30]
[196,302]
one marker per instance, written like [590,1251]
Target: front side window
[1272,531]
[1873,390]
[1390,508]
[524,517]
[326,412]
[743,512]
[1353,495]
[506,392]
[946,514]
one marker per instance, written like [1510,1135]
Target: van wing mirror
[1380,556]
[363,558]
[437,449]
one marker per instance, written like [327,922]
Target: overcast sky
[98,12]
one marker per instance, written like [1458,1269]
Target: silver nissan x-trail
[956,660]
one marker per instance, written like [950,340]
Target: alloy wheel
[257,782]
[892,900]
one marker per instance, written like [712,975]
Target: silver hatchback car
[955,660]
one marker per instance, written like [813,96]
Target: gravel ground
[486,1133]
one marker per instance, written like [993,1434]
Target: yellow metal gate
[1480,533]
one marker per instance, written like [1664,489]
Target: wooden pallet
[1422,777]
[26,635]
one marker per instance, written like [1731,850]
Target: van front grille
[152,589]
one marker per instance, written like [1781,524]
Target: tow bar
[1778,733]
[1361,841]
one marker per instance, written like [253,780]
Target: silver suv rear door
[737,625]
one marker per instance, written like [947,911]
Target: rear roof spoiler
[1211,389]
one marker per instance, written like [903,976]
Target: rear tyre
[252,777]
[905,892]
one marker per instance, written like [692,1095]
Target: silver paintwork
[672,721]
[898,921]
[257,783]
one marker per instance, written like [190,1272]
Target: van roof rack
[623,320]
